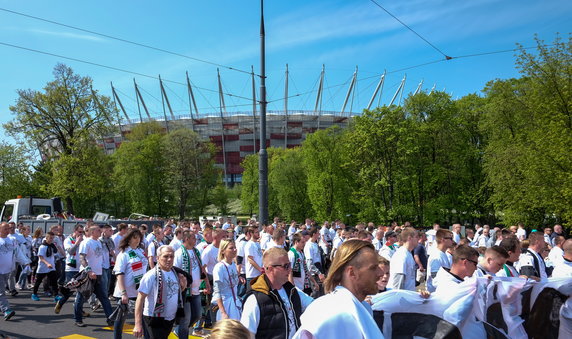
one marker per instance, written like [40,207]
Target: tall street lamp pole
[263,155]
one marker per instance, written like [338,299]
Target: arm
[253,263]
[121,285]
[42,259]
[418,262]
[83,261]
[138,328]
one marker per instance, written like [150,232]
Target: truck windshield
[37,210]
[7,211]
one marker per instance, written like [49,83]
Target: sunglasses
[286,266]
[474,262]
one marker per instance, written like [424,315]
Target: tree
[15,172]
[528,122]
[62,118]
[328,183]
[141,171]
[191,171]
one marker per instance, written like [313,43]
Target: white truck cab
[31,208]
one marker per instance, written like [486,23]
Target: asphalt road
[37,320]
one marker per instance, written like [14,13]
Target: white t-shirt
[152,250]
[210,257]
[58,241]
[252,249]
[521,234]
[251,312]
[117,241]
[194,266]
[94,255]
[133,264]
[265,239]
[7,248]
[388,251]
[556,256]
[240,243]
[42,267]
[563,270]
[298,282]
[170,283]
[437,259]
[71,258]
[311,251]
[201,246]
[402,262]
[175,244]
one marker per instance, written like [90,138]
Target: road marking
[76,336]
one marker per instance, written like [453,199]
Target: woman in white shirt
[130,266]
[226,280]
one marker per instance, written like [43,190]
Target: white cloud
[67,35]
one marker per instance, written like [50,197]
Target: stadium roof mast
[263,157]
[191,101]
[286,109]
[418,87]
[350,89]
[140,97]
[254,103]
[399,89]
[163,97]
[222,108]
[319,95]
[116,98]
[377,89]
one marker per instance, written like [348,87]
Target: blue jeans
[100,294]
[105,279]
[23,279]
[192,314]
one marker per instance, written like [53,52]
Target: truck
[45,213]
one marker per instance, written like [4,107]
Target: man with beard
[343,313]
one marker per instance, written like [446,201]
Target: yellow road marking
[76,336]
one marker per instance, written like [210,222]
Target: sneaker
[58,298]
[13,293]
[58,307]
[35,297]
[198,333]
[85,314]
[9,314]
[79,324]
[110,322]
[95,307]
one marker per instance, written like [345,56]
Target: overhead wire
[411,29]
[115,68]
[124,40]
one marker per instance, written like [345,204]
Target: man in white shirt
[253,257]
[325,238]
[274,305]
[343,312]
[402,269]
[456,229]
[564,268]
[378,239]
[312,253]
[390,246]
[493,261]
[188,259]
[71,246]
[531,262]
[521,232]
[266,236]
[158,296]
[465,261]
[556,253]
[121,231]
[241,261]
[438,257]
[299,275]
[91,259]
[431,236]
[7,261]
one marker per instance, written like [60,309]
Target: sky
[341,35]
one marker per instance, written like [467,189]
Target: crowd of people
[264,281]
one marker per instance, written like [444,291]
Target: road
[37,320]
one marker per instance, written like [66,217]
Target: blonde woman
[226,280]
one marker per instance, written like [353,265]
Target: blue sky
[305,34]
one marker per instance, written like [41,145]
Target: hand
[322,277]
[50,266]
[92,275]
[207,290]
[424,294]
[124,299]
[368,299]
[138,331]
[182,281]
[422,270]
[242,280]
[224,315]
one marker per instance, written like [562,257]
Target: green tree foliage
[329,185]
[528,159]
[141,171]
[249,187]
[288,181]
[191,171]
[15,172]
[62,119]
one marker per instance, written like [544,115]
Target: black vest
[274,322]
